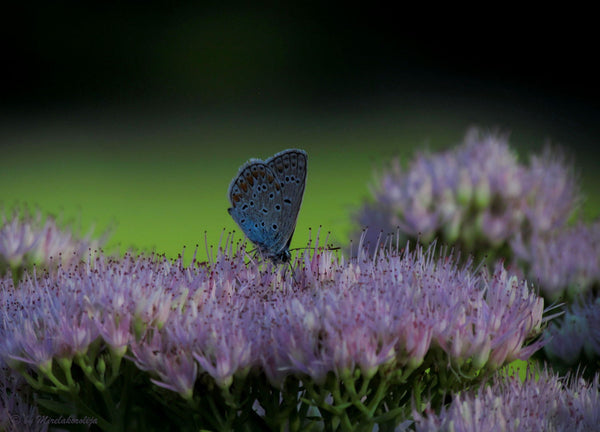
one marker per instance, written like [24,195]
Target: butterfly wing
[290,168]
[265,200]
[256,199]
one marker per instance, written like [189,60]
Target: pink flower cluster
[27,239]
[576,337]
[546,403]
[478,198]
[474,192]
[563,261]
[226,318]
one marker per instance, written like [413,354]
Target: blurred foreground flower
[547,403]
[350,338]
[476,197]
[27,239]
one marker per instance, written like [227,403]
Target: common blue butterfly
[265,199]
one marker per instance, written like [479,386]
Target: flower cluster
[381,316]
[27,239]
[476,196]
[576,338]
[544,403]
[562,261]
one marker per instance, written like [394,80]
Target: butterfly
[265,199]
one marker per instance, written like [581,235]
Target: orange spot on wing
[249,179]
[243,185]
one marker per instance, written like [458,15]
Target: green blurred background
[138,114]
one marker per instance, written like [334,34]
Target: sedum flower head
[544,403]
[564,261]
[476,195]
[59,314]
[224,319]
[27,239]
[576,336]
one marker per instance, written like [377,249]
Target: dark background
[320,54]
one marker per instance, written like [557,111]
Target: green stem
[47,371]
[88,371]
[38,384]
[65,364]
[115,361]
[341,405]
[356,397]
[377,398]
